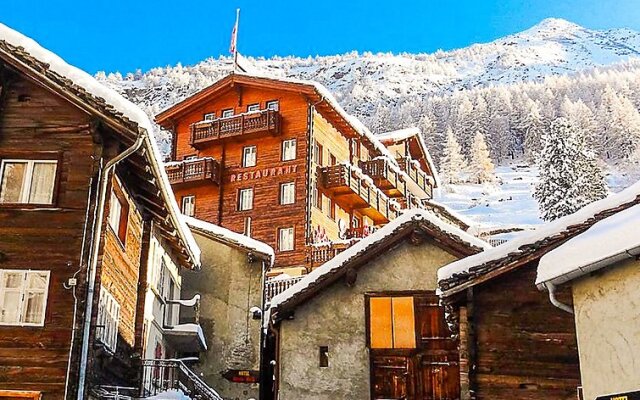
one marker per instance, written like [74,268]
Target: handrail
[196,387]
[220,128]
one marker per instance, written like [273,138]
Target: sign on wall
[621,396]
[241,375]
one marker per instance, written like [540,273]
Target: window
[23,297]
[288,150]
[247,227]
[108,319]
[253,107]
[27,181]
[190,157]
[189,205]
[273,105]
[227,113]
[319,154]
[323,357]
[160,274]
[285,239]
[245,199]
[287,193]
[249,156]
[118,216]
[209,116]
[391,323]
[332,159]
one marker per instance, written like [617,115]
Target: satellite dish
[342,229]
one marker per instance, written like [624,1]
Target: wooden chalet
[368,323]
[82,196]
[514,342]
[279,160]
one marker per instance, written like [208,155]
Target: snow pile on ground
[603,241]
[508,203]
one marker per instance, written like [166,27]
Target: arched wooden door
[412,353]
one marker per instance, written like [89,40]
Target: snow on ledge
[597,247]
[380,234]
[230,236]
[542,232]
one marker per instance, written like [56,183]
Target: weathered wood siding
[35,358]
[219,204]
[525,347]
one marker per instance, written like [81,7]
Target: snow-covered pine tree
[452,164]
[533,129]
[570,176]
[481,167]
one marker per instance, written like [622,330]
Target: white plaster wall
[607,313]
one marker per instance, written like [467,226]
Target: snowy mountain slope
[360,81]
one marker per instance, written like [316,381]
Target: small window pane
[285,239]
[245,199]
[115,209]
[34,307]
[12,280]
[253,107]
[42,183]
[249,156]
[227,113]
[289,150]
[37,281]
[189,205]
[287,193]
[10,303]
[209,116]
[273,105]
[13,174]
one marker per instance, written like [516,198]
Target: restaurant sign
[263,173]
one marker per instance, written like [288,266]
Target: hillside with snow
[509,90]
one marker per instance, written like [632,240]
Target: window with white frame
[227,113]
[247,227]
[273,105]
[287,193]
[285,239]
[118,216]
[245,199]
[27,181]
[249,156]
[288,150]
[108,319]
[189,205]
[253,107]
[209,116]
[23,297]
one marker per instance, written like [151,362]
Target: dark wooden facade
[514,342]
[46,116]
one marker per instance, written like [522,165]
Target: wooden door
[426,369]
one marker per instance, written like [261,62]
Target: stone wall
[336,318]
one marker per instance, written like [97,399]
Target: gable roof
[371,247]
[532,245]
[606,242]
[413,133]
[324,102]
[222,235]
[126,119]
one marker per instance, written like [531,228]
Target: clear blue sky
[123,36]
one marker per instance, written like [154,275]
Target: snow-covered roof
[232,238]
[100,100]
[407,133]
[606,242]
[366,245]
[458,272]
[452,214]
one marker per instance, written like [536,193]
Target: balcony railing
[161,375]
[274,287]
[417,175]
[265,121]
[320,254]
[384,176]
[195,170]
[354,191]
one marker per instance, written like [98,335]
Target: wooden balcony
[384,176]
[417,175]
[196,170]
[316,255]
[354,191]
[265,121]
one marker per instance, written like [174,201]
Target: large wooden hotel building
[279,160]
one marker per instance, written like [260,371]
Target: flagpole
[235,50]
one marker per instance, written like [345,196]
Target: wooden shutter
[404,327]
[380,323]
